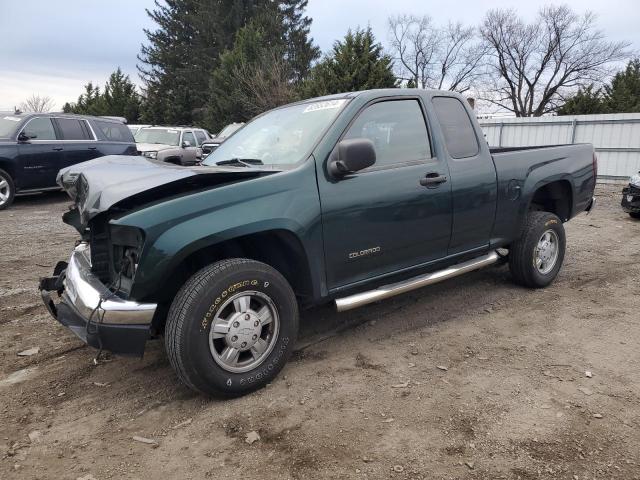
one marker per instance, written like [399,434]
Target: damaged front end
[77,298]
[91,293]
[631,196]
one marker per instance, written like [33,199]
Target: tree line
[210,63]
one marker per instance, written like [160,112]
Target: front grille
[99,241]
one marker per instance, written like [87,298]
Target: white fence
[615,137]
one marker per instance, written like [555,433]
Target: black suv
[34,146]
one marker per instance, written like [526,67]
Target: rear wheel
[634,215]
[536,258]
[7,190]
[231,328]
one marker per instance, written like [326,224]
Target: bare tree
[428,56]
[265,84]
[37,103]
[535,65]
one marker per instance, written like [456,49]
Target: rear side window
[73,129]
[397,130]
[115,132]
[40,129]
[457,128]
[200,136]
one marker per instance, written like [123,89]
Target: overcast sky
[54,47]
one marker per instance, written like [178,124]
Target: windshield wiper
[247,162]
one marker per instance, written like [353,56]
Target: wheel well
[554,197]
[279,249]
[174,160]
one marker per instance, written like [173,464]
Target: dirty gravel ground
[511,399]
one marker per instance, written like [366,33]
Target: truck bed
[521,170]
[497,150]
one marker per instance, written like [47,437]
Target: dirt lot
[474,378]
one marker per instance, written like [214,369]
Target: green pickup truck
[349,198]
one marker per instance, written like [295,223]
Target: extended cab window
[73,129]
[457,128]
[116,132]
[40,129]
[397,130]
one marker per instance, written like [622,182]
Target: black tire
[9,190]
[522,253]
[202,299]
[635,215]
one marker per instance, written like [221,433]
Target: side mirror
[186,144]
[23,137]
[350,156]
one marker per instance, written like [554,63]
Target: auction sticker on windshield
[326,105]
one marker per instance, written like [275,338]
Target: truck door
[189,152]
[473,177]
[41,156]
[383,219]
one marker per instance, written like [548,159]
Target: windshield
[282,136]
[164,136]
[8,124]
[229,129]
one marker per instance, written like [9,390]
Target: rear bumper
[79,301]
[631,199]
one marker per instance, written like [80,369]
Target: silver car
[179,145]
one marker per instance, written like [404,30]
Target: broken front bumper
[78,300]
[631,199]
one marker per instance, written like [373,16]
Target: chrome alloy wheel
[244,331]
[5,191]
[546,252]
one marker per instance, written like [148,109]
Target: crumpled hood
[97,185]
[152,147]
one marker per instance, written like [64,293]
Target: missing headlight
[126,248]
[129,262]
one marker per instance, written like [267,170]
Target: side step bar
[360,299]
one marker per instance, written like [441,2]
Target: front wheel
[536,258]
[7,190]
[231,327]
[635,215]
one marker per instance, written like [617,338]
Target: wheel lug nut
[244,344]
[255,324]
[236,324]
[234,338]
[254,337]
[247,317]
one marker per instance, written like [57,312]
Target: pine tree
[252,77]
[356,63]
[177,63]
[300,51]
[89,103]
[119,99]
[586,101]
[623,95]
